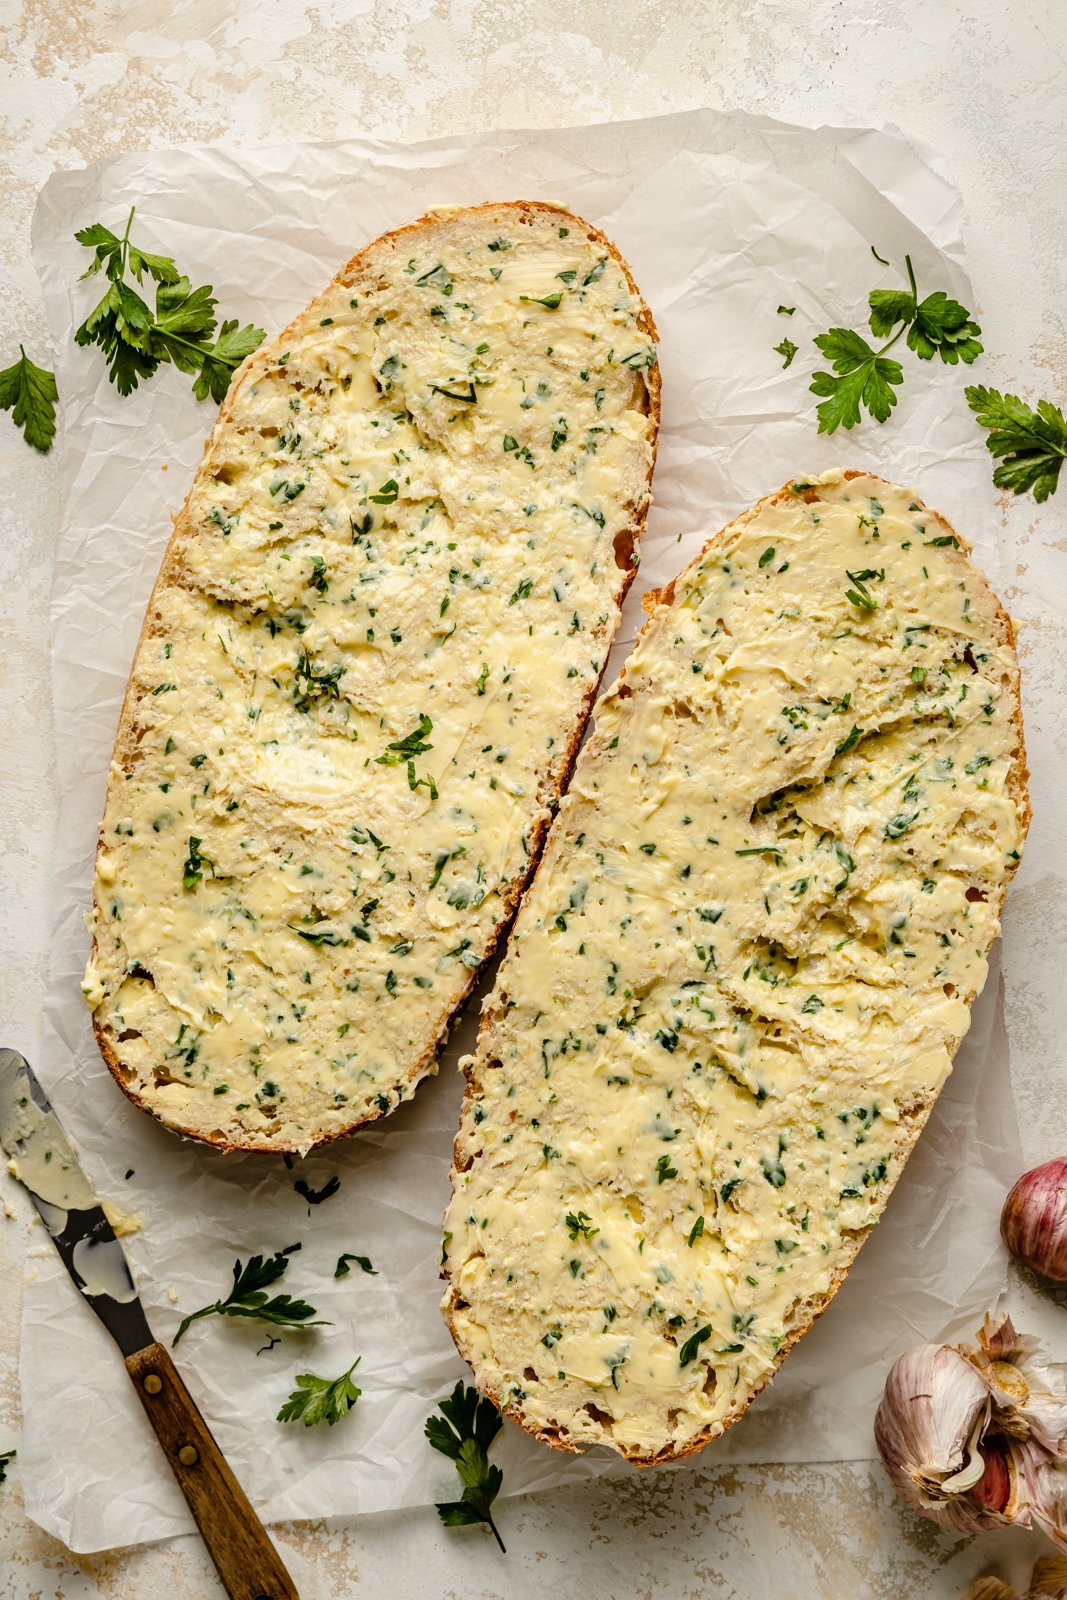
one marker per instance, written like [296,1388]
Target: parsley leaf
[249,1298]
[465,1432]
[944,325]
[342,1268]
[787,349]
[866,377]
[137,340]
[315,1197]
[321,1399]
[221,360]
[934,324]
[29,393]
[1033,444]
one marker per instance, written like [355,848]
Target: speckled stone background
[982,81]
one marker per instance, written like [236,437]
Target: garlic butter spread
[376,634]
[737,981]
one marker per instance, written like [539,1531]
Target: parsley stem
[904,325]
[496,1533]
[176,338]
[126,239]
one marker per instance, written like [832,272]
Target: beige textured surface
[981,81]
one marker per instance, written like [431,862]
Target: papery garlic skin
[1033,1223]
[927,1428]
[975,1436]
[990,1587]
[1048,1581]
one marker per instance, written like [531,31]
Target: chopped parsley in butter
[741,971]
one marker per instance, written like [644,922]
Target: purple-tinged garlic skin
[1033,1223]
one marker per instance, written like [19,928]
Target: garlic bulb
[975,1436]
[1033,1223]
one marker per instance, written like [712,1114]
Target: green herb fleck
[193,868]
[579,1223]
[689,1350]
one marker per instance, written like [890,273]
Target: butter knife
[43,1160]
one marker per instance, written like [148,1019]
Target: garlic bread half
[736,984]
[364,672]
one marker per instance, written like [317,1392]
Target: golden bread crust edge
[914,1115]
[259,360]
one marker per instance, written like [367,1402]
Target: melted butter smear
[391,596]
[749,953]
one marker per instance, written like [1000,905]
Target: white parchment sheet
[723,218]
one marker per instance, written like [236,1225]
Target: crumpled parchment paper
[723,218]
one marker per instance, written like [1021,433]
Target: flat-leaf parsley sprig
[465,1432]
[866,377]
[249,1297]
[321,1399]
[181,329]
[1031,444]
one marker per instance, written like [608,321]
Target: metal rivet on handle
[188,1455]
[153,1383]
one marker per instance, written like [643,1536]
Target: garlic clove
[1033,1223]
[993,1489]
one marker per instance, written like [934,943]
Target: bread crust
[914,1114]
[627,552]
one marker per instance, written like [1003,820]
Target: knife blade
[43,1160]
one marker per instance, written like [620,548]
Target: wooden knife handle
[247,1562]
